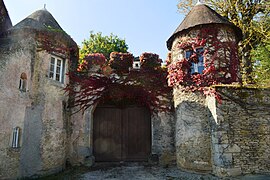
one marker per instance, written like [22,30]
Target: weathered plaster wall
[241,131]
[30,160]
[50,95]
[14,60]
[40,112]
[192,134]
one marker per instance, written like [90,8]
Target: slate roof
[39,20]
[200,14]
[5,22]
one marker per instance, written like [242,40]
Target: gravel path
[141,172]
[135,171]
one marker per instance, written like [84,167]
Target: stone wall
[80,150]
[192,134]
[163,145]
[229,139]
[241,131]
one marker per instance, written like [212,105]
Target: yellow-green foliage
[261,56]
[97,43]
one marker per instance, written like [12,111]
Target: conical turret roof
[40,20]
[200,14]
[5,22]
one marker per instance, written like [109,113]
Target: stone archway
[121,133]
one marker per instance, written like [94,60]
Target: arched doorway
[121,133]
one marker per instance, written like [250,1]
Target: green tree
[261,54]
[97,43]
[244,14]
[261,72]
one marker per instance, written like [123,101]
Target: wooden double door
[122,134]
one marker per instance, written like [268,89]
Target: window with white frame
[15,137]
[196,67]
[57,69]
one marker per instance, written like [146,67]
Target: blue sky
[144,24]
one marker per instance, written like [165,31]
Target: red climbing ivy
[121,62]
[96,59]
[217,69]
[118,83]
[150,61]
[56,42]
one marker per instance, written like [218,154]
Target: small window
[136,65]
[23,82]
[196,67]
[15,137]
[56,69]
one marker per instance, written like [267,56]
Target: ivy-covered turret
[203,53]
[204,50]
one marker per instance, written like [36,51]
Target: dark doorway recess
[122,133]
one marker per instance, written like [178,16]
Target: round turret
[204,43]
[200,15]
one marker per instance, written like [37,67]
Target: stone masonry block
[225,172]
[233,149]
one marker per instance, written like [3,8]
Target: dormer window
[196,59]
[57,69]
